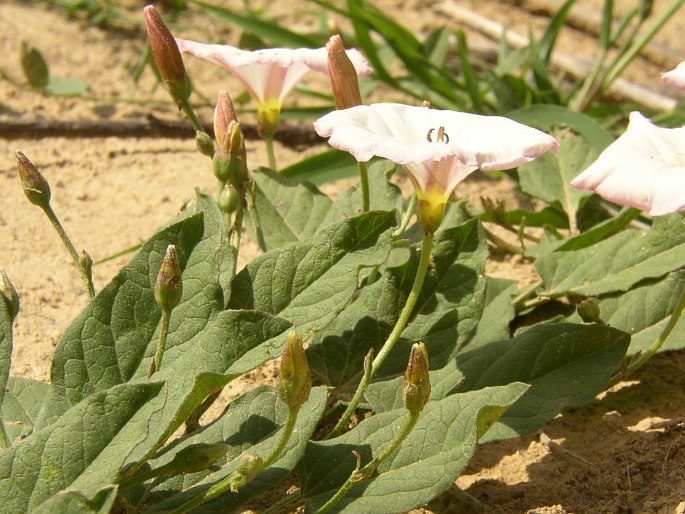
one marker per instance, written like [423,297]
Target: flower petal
[675,77]
[643,168]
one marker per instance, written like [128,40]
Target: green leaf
[498,312]
[434,454]
[546,116]
[5,356]
[644,310]
[564,364]
[549,38]
[324,167]
[23,401]
[309,282]
[288,211]
[383,195]
[261,27]
[34,65]
[73,502]
[251,423]
[114,337]
[617,263]
[53,459]
[66,86]
[549,177]
[446,313]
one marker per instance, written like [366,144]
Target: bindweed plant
[398,355]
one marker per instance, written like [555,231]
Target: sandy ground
[624,453]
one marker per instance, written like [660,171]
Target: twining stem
[163,333]
[70,248]
[401,323]
[228,483]
[361,474]
[656,344]
[236,233]
[269,141]
[364,180]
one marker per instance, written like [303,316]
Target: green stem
[393,337]
[192,118]
[269,141]
[254,216]
[228,482]
[361,474]
[164,331]
[287,503]
[406,217]
[4,438]
[657,343]
[70,248]
[236,233]
[364,178]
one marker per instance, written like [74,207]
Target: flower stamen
[442,136]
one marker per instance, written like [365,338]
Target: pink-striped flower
[270,74]
[675,77]
[643,168]
[438,148]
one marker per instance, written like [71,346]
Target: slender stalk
[236,233]
[269,141]
[392,338]
[656,344]
[361,474]
[228,483]
[192,118]
[287,503]
[406,217]
[364,178]
[163,333]
[70,248]
[254,216]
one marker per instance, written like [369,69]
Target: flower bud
[344,81]
[249,466]
[230,160]
[167,56]
[588,310]
[204,143]
[229,199]
[169,284]
[295,381]
[417,387]
[224,115]
[86,263]
[198,457]
[9,295]
[36,187]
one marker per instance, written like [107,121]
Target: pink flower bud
[224,114]
[344,82]
[167,56]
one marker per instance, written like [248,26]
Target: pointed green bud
[229,199]
[344,81]
[230,159]
[169,284]
[36,187]
[204,143]
[295,381]
[198,457]
[249,466]
[86,263]
[167,56]
[417,387]
[9,295]
[588,310]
